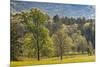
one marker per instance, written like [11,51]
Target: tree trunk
[61,57]
[38,49]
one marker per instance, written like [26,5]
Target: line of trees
[35,35]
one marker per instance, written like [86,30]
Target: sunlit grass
[55,60]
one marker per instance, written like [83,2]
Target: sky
[69,10]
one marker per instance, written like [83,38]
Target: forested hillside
[34,34]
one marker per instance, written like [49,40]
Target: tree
[35,23]
[80,42]
[60,39]
[17,32]
[89,32]
[14,42]
[56,19]
[90,48]
[56,23]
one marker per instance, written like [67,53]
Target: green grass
[55,60]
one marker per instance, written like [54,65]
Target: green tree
[56,19]
[80,42]
[17,32]
[35,21]
[61,42]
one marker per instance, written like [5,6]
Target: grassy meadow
[55,60]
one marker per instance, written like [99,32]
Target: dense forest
[34,34]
